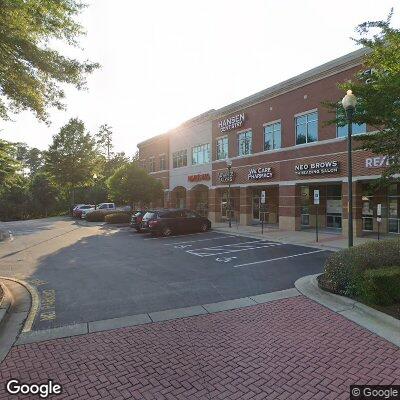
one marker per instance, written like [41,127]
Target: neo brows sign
[234,122]
[324,167]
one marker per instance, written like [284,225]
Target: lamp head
[349,101]
[229,162]
[94,176]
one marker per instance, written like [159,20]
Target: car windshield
[150,215]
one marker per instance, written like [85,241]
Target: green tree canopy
[9,164]
[131,184]
[43,193]
[72,158]
[377,88]
[31,71]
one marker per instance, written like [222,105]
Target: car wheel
[204,227]
[167,231]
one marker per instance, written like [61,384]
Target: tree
[104,140]
[31,71]
[9,164]
[131,184]
[14,199]
[43,194]
[378,92]
[72,158]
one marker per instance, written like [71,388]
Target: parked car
[101,207]
[77,212]
[136,220]
[167,222]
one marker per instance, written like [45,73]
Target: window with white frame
[152,164]
[245,143]
[272,136]
[222,148]
[201,154]
[307,128]
[163,164]
[179,159]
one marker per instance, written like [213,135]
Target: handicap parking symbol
[225,259]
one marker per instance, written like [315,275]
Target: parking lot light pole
[95,179]
[229,165]
[349,104]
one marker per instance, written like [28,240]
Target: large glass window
[272,136]
[179,158]
[222,148]
[245,143]
[201,154]
[163,164]
[394,208]
[307,128]
[358,129]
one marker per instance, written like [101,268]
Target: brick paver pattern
[286,349]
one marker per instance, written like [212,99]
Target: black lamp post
[95,197]
[349,104]
[229,165]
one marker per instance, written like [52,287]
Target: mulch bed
[1,294]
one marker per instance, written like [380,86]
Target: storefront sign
[199,177]
[231,123]
[325,167]
[226,176]
[377,162]
[260,173]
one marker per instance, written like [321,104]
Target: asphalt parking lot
[98,272]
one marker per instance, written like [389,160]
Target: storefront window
[307,128]
[179,159]
[394,208]
[222,148]
[305,205]
[245,143]
[272,136]
[201,154]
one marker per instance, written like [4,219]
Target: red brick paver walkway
[287,349]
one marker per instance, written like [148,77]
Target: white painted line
[200,240]
[205,254]
[231,244]
[278,258]
[174,236]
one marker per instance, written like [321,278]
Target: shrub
[381,286]
[344,269]
[96,216]
[117,218]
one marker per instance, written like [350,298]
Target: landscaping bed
[1,294]
[368,273]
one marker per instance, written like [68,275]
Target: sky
[164,62]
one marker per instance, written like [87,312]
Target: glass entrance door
[256,208]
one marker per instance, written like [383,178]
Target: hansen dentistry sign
[234,122]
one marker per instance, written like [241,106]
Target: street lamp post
[349,104]
[95,179]
[229,165]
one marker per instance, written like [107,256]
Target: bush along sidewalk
[369,273]
[100,215]
[117,218]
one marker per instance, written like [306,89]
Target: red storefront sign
[199,177]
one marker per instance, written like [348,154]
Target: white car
[101,207]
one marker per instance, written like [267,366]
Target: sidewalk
[327,240]
[290,349]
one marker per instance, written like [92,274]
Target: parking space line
[174,236]
[200,240]
[231,244]
[205,254]
[278,258]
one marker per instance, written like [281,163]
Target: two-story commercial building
[281,151]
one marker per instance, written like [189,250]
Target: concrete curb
[5,235]
[5,303]
[35,302]
[153,317]
[253,236]
[375,321]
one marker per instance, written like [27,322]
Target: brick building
[282,150]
